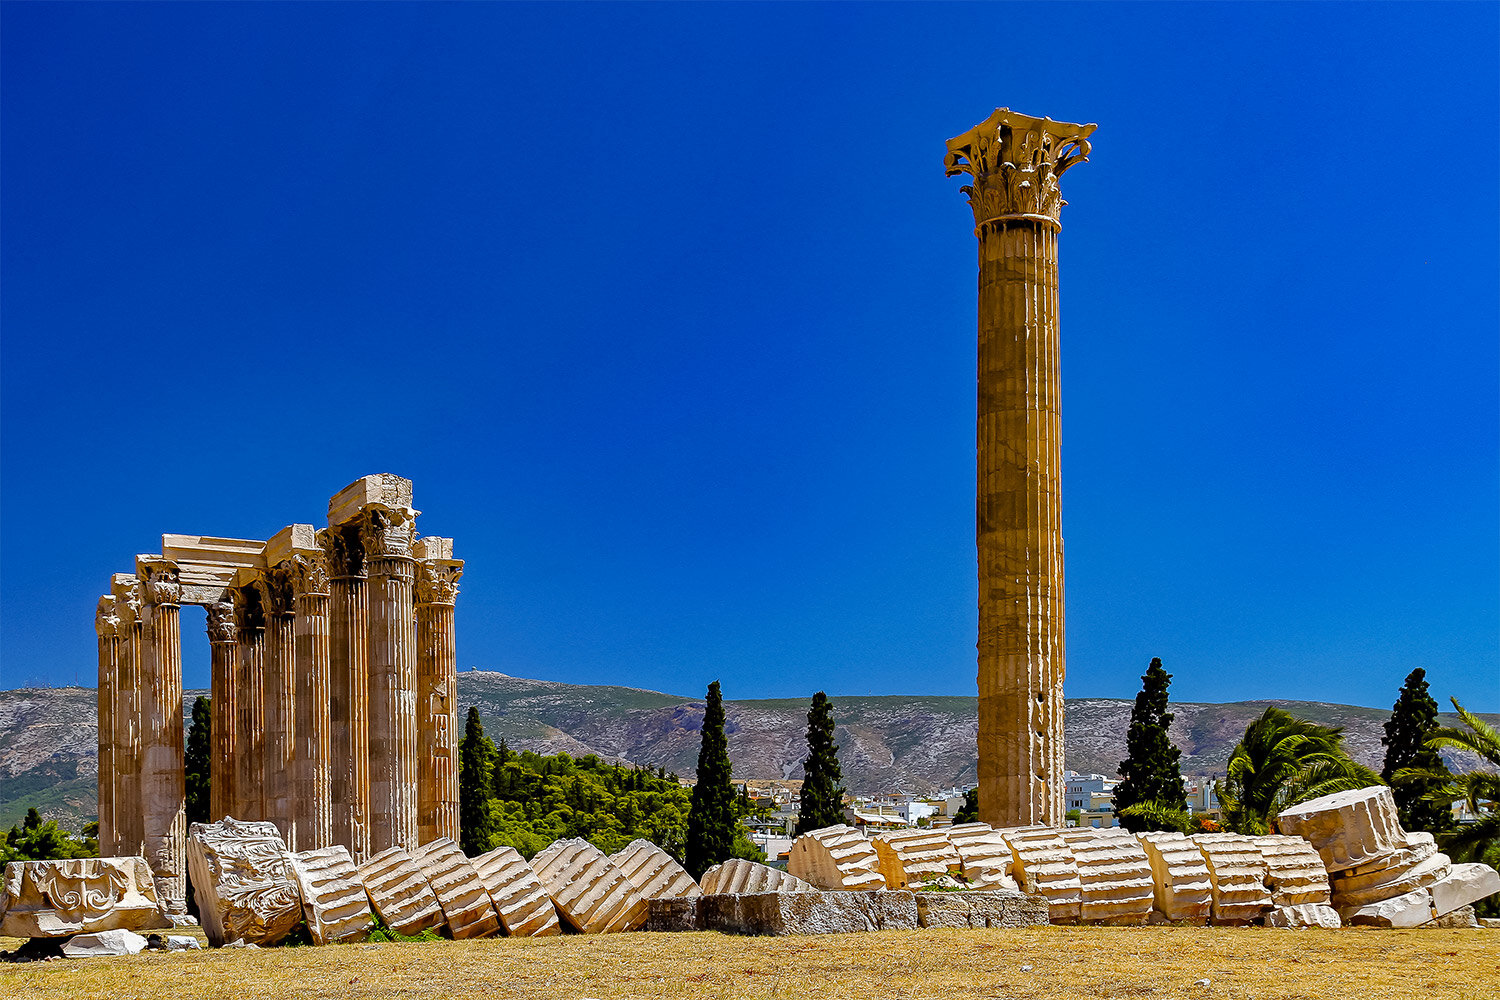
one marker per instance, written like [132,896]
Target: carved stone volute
[128,600]
[309,572]
[106,621]
[278,590]
[249,608]
[159,581]
[437,580]
[222,626]
[387,532]
[1015,161]
[345,554]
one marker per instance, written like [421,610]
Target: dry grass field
[1053,963]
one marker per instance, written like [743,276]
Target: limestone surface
[1294,871]
[1410,909]
[399,892]
[591,894]
[1405,874]
[836,857]
[915,857]
[1465,884]
[334,900]
[463,897]
[839,912]
[984,855]
[78,895]
[1238,873]
[1347,828]
[242,882]
[1181,887]
[738,876]
[1114,874]
[105,944]
[1304,915]
[985,908]
[654,873]
[520,899]
[1043,864]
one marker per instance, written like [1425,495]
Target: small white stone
[101,943]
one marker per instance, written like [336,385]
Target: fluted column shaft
[437,700]
[281,676]
[250,705]
[224,691]
[129,820]
[312,766]
[106,624]
[349,715]
[393,682]
[163,788]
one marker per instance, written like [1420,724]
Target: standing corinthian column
[437,690]
[387,536]
[162,781]
[1015,162]
[349,688]
[127,722]
[312,774]
[107,624]
[250,705]
[281,667]
[223,689]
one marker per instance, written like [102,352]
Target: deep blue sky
[669,312]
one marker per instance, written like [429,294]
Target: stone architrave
[1043,864]
[312,765]
[984,854]
[1115,875]
[399,892]
[1302,915]
[521,901]
[242,882]
[280,701]
[654,873]
[465,900]
[349,687]
[740,877]
[436,590]
[250,703]
[1238,872]
[49,899]
[1014,162]
[333,897]
[1294,871]
[224,692]
[129,837]
[836,857]
[1181,887]
[1348,829]
[163,782]
[591,894]
[915,857]
[107,626]
[386,533]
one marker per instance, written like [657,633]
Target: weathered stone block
[1237,870]
[334,900]
[1467,883]
[1294,871]
[1181,888]
[521,901]
[984,856]
[1114,875]
[1411,909]
[985,908]
[1347,828]
[915,857]
[836,857]
[385,488]
[465,902]
[104,944]
[784,913]
[399,892]
[591,894]
[1304,915]
[78,895]
[738,876]
[675,913]
[1460,919]
[242,882]
[1044,864]
[654,873]
[1402,876]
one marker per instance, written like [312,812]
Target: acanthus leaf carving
[222,624]
[342,550]
[1015,161]
[279,589]
[160,581]
[309,573]
[106,619]
[437,580]
[387,532]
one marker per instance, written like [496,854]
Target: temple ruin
[332,675]
[1015,161]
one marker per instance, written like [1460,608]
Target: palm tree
[1283,760]
[1480,790]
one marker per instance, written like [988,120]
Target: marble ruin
[654,873]
[332,674]
[242,881]
[1045,866]
[916,857]
[1181,887]
[738,877]
[334,901]
[1237,870]
[836,857]
[1114,875]
[1014,162]
[521,901]
[985,858]
[463,897]
[399,893]
[49,899]
[591,894]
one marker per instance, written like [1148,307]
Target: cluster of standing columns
[332,677]
[1015,161]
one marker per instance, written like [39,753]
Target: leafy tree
[476,765]
[969,811]
[35,839]
[1150,775]
[711,819]
[822,788]
[198,773]
[1412,723]
[1280,761]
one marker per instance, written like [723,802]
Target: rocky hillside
[916,743]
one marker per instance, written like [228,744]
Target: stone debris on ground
[242,881]
[104,944]
[1304,915]
[982,908]
[654,873]
[1181,888]
[464,900]
[913,858]
[985,858]
[1045,865]
[737,876]
[399,893]
[1114,876]
[1294,871]
[836,858]
[1237,870]
[334,901]
[591,894]
[521,901]
[78,895]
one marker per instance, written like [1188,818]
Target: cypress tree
[711,815]
[822,788]
[1150,771]
[476,764]
[1412,723]
[969,811]
[197,773]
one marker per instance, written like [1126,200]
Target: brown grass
[1065,962]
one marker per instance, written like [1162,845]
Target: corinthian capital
[387,532]
[437,580]
[1015,161]
[221,621]
[106,621]
[344,554]
[278,589]
[159,580]
[249,604]
[309,572]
